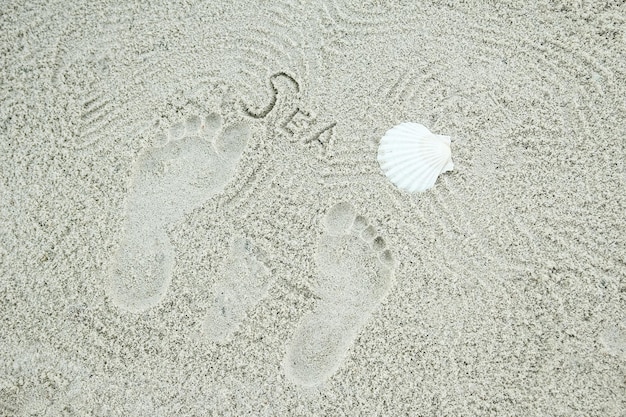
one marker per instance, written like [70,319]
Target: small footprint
[39,380]
[245,281]
[614,340]
[355,273]
[196,162]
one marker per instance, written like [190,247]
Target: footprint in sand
[196,162]
[354,274]
[244,282]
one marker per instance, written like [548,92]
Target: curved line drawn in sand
[197,161]
[245,281]
[289,36]
[275,92]
[354,274]
[84,85]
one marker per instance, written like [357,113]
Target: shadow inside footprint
[355,273]
[196,162]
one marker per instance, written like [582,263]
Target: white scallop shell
[412,157]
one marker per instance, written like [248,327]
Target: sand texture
[193,221]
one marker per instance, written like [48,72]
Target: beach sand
[193,220]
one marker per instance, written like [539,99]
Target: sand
[193,221]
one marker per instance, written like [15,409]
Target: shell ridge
[418,174]
[400,159]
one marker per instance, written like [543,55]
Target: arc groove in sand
[548,69]
[271,49]
[100,114]
[450,222]
[442,219]
[257,56]
[357,24]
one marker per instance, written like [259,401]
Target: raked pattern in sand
[194,222]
